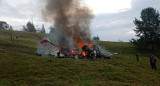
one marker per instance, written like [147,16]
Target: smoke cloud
[71,19]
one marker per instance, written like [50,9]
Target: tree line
[29,27]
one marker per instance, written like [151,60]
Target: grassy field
[19,66]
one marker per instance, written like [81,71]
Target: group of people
[153,60]
[12,38]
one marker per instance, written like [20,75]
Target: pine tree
[147,29]
[43,29]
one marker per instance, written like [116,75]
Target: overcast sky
[113,19]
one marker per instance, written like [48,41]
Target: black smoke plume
[71,19]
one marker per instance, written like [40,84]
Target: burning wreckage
[82,51]
[72,36]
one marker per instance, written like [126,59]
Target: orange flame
[74,51]
[84,53]
[81,44]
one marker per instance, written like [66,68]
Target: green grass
[19,66]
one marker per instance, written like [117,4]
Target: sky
[113,19]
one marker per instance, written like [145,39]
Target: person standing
[11,38]
[137,56]
[150,56]
[154,60]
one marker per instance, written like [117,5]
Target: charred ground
[20,66]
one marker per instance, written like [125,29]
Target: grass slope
[20,67]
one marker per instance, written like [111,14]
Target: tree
[52,30]
[3,25]
[25,29]
[96,38]
[43,29]
[147,29]
[29,27]
[10,28]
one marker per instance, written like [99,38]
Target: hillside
[19,66]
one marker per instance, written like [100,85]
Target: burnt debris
[86,52]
